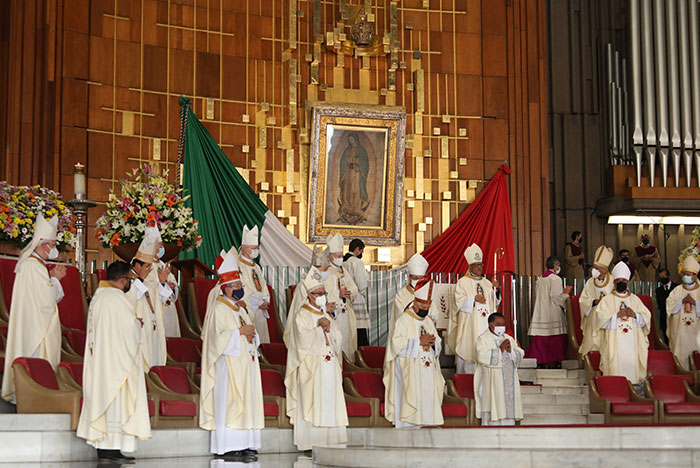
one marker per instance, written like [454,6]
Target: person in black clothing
[662,292]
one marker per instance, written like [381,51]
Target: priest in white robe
[496,383]
[314,380]
[355,267]
[257,296]
[347,292]
[34,329]
[596,288]
[417,268]
[148,302]
[413,382]
[171,321]
[320,266]
[548,324]
[623,321]
[115,404]
[475,299]
[683,309]
[231,399]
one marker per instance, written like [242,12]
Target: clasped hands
[688,299]
[58,272]
[325,324]
[344,293]
[626,313]
[248,331]
[505,346]
[427,340]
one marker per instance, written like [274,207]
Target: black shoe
[247,452]
[108,454]
[233,455]
[124,457]
[308,453]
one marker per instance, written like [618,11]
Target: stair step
[570,364]
[552,374]
[580,410]
[553,419]
[527,375]
[596,419]
[559,382]
[551,399]
[528,363]
[569,390]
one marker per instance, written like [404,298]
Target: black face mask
[422,313]
[238,294]
[621,287]
[625,259]
[664,280]
[580,240]
[645,241]
[359,256]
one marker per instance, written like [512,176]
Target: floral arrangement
[19,207]
[147,198]
[692,249]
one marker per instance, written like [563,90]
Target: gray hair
[552,262]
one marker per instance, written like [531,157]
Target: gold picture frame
[356,173]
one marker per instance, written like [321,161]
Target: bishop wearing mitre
[475,299]
[413,382]
[683,310]
[347,292]
[115,405]
[257,296]
[417,267]
[496,383]
[171,322]
[623,322]
[231,401]
[314,380]
[34,329]
[320,267]
[148,302]
[596,288]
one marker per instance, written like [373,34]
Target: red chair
[274,396]
[197,293]
[184,352]
[38,391]
[364,399]
[178,396]
[274,323]
[71,374]
[573,322]
[72,310]
[591,368]
[370,357]
[694,359]
[662,362]
[73,345]
[274,353]
[622,404]
[676,403]
[462,386]
[7,280]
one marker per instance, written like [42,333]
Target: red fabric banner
[487,222]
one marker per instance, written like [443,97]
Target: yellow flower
[15,232]
[17,221]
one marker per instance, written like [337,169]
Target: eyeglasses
[318,294]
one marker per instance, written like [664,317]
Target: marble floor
[282,460]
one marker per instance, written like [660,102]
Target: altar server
[231,399]
[115,405]
[683,309]
[347,292]
[314,380]
[355,267]
[148,302]
[171,321]
[596,288]
[34,329]
[496,383]
[623,321]
[413,381]
[647,259]
[256,297]
[548,323]
[475,299]
[417,268]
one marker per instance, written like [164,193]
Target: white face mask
[337,261]
[161,252]
[595,273]
[687,279]
[321,302]
[53,253]
[324,275]
[254,253]
[556,270]
[499,330]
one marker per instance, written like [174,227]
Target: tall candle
[79,180]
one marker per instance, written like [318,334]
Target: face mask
[687,279]
[625,259]
[53,253]
[238,294]
[320,301]
[645,241]
[324,275]
[254,253]
[422,313]
[161,252]
[337,262]
[360,256]
[663,280]
[499,330]
[580,240]
[595,273]
[556,270]
[621,287]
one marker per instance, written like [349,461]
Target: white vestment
[403,299]
[168,298]
[255,294]
[355,267]
[34,329]
[683,321]
[148,306]
[593,290]
[345,311]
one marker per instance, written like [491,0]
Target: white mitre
[473,254]
[335,243]
[621,271]
[690,264]
[417,265]
[149,245]
[250,236]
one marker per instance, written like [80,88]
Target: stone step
[559,373]
[553,419]
[527,375]
[551,399]
[529,409]
[596,419]
[528,363]
[535,389]
[559,382]
[570,364]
